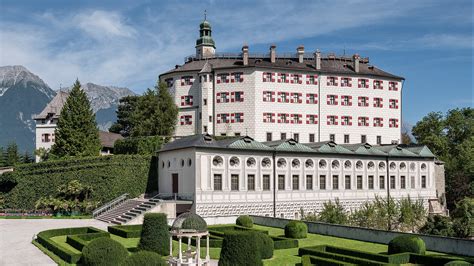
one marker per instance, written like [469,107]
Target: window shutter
[300,97]
[232,78]
[241,77]
[232,118]
[218,118]
[272,119]
[273,77]
[328,120]
[343,123]
[350,120]
[273,96]
[264,77]
[279,77]
[279,97]
[335,99]
[43,137]
[182,100]
[292,95]
[307,79]
[191,81]
[335,119]
[359,121]
[328,100]
[218,100]
[396,106]
[182,81]
[307,98]
[279,118]
[381,102]
[264,117]
[264,94]
[232,96]
[181,119]
[218,79]
[291,78]
[350,82]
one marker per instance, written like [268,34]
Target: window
[332,137]
[268,77]
[238,77]
[224,78]
[283,136]
[266,163]
[186,120]
[378,84]
[363,83]
[45,138]
[169,82]
[251,182]
[311,137]
[378,122]
[335,182]
[234,182]
[382,182]
[402,182]
[378,102]
[393,103]
[217,182]
[311,80]
[296,79]
[266,182]
[392,86]
[363,138]
[238,96]
[296,137]
[412,182]
[332,81]
[347,182]
[379,140]
[296,119]
[359,182]
[363,121]
[296,97]
[322,182]
[346,120]
[371,182]
[239,117]
[283,78]
[281,182]
[332,100]
[268,118]
[283,97]
[311,119]
[269,136]
[224,118]
[186,80]
[392,182]
[363,101]
[204,101]
[346,138]
[210,118]
[346,100]
[237,134]
[296,182]
[268,96]
[309,182]
[283,118]
[393,122]
[423,181]
[332,120]
[222,97]
[205,129]
[311,98]
[345,82]
[188,100]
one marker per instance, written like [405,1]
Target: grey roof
[289,145]
[54,107]
[328,66]
[207,68]
[108,139]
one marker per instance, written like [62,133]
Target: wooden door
[175,183]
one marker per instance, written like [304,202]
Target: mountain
[104,101]
[22,94]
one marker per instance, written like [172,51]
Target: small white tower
[205,46]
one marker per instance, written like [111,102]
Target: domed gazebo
[189,225]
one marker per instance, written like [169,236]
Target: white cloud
[101,24]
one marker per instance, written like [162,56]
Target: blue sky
[129,43]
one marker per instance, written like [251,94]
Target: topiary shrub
[265,243]
[296,229]
[406,243]
[103,251]
[155,234]
[239,248]
[245,221]
[194,221]
[144,258]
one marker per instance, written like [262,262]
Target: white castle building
[270,104]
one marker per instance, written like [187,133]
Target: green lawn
[280,257]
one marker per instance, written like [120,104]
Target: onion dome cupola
[205,46]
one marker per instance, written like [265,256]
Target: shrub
[333,213]
[194,222]
[284,243]
[296,229]
[138,145]
[155,234]
[144,258]
[457,262]
[104,251]
[126,231]
[265,244]
[240,249]
[109,176]
[79,241]
[406,243]
[245,221]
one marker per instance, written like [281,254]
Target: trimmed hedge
[224,228]
[70,256]
[245,221]
[110,176]
[407,243]
[126,231]
[284,243]
[337,257]
[400,258]
[431,260]
[79,241]
[155,235]
[265,244]
[103,251]
[457,262]
[308,260]
[139,145]
[240,249]
[145,258]
[296,229]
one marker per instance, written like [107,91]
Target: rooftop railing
[306,56]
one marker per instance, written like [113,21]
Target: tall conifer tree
[12,155]
[167,111]
[76,133]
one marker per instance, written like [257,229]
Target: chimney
[356,59]
[245,54]
[317,58]
[272,53]
[300,52]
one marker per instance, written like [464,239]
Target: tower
[205,46]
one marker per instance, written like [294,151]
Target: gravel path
[16,236]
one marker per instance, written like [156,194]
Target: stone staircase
[127,211]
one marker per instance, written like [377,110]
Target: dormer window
[186,80]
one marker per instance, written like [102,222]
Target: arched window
[281,163]
[347,164]
[403,166]
[309,163]
[182,162]
[423,167]
[322,164]
[217,161]
[295,163]
[234,161]
[335,164]
[266,163]
[190,162]
[381,166]
[393,166]
[359,165]
[163,164]
[251,162]
[169,164]
[371,166]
